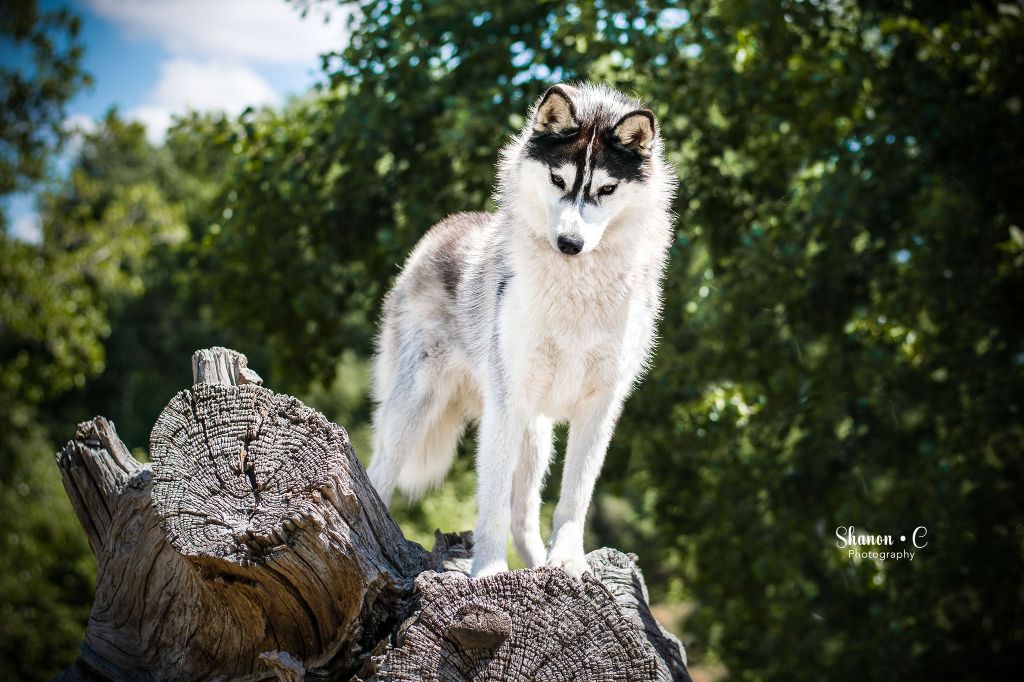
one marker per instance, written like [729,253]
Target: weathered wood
[537,624]
[539,601]
[255,530]
[285,666]
[620,574]
[219,365]
[254,547]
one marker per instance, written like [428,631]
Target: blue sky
[156,58]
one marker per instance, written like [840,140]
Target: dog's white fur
[490,322]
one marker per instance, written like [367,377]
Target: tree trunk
[254,547]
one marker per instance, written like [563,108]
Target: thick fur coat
[544,311]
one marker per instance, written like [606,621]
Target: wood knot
[480,626]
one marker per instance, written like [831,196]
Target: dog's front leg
[500,438]
[589,433]
[534,457]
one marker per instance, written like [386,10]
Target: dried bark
[254,546]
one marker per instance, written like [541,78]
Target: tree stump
[254,547]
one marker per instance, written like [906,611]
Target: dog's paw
[575,566]
[485,569]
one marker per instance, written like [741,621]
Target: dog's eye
[606,190]
[557,181]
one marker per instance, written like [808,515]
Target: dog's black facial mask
[622,144]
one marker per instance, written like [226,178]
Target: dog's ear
[556,115]
[635,131]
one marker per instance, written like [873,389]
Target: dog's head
[585,159]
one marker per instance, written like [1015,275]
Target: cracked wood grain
[254,547]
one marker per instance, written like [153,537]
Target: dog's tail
[414,455]
[426,466]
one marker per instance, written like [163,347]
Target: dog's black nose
[570,244]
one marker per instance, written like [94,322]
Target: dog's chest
[564,377]
[566,351]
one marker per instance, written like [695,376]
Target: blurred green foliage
[32,101]
[842,342]
[49,341]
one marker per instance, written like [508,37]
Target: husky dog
[541,312]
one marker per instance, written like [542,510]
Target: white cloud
[26,227]
[76,126]
[79,123]
[204,85]
[200,85]
[22,214]
[157,120]
[269,31]
[217,49]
